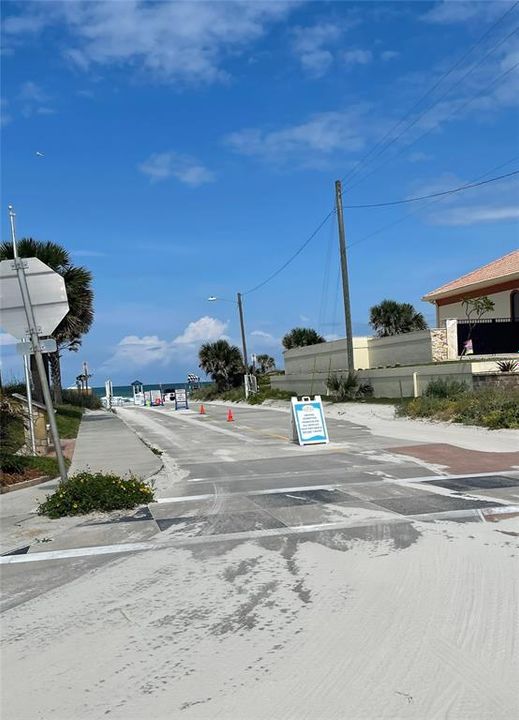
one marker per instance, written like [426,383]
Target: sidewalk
[104,444]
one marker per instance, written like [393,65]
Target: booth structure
[138,392]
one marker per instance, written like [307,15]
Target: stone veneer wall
[508,380]
[440,345]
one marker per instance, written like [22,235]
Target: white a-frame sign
[308,422]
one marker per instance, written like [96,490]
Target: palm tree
[223,362]
[301,337]
[265,363]
[393,318]
[77,322]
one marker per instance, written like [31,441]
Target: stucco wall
[406,349]
[386,382]
[326,357]
[456,310]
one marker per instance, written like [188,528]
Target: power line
[434,195]
[463,105]
[292,257]
[414,212]
[429,92]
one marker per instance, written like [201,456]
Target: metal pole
[345,280]
[36,349]
[28,390]
[244,344]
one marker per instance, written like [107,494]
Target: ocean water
[126,390]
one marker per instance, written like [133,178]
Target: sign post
[23,314]
[181,399]
[308,422]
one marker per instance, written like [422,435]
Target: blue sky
[190,148]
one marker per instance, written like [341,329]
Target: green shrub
[86,492]
[74,397]
[11,464]
[18,464]
[508,365]
[493,408]
[445,388]
[347,387]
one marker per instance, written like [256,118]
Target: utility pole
[36,349]
[344,271]
[244,345]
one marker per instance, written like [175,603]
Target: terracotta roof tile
[494,271]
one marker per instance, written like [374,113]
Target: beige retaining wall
[396,382]
[423,346]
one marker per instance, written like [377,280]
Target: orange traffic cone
[229,416]
[202,410]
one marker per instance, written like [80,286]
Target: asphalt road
[273,581]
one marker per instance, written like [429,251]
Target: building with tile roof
[498,280]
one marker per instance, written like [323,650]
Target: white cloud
[5,117]
[307,143]
[357,57]
[173,41]
[206,329]
[138,352]
[331,337]
[162,166]
[309,45]
[32,92]
[461,11]
[493,203]
[87,253]
[471,215]
[262,339]
[34,100]
[389,55]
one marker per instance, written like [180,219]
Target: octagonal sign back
[46,291]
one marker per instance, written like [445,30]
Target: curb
[25,484]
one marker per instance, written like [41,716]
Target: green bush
[74,397]
[347,387]
[492,408]
[508,365]
[11,464]
[18,464]
[445,388]
[87,492]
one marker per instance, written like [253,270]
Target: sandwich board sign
[181,398]
[308,422]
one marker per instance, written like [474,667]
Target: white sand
[317,634]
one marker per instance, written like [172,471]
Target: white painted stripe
[75,552]
[187,498]
[391,519]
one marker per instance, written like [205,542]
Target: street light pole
[239,302]
[345,278]
[244,345]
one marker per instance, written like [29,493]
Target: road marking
[269,491]
[198,540]
[391,519]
